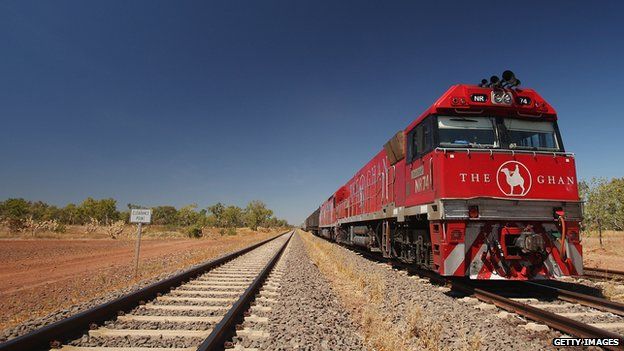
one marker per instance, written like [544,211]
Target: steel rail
[74,326]
[555,321]
[223,330]
[601,273]
[583,299]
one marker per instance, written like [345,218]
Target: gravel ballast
[460,325]
[308,315]
[248,264]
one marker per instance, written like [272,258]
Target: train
[478,186]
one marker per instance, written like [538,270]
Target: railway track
[573,313]
[602,274]
[205,308]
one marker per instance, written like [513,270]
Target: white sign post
[139,216]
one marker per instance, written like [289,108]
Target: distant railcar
[479,186]
[311,223]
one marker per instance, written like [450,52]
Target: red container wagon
[479,185]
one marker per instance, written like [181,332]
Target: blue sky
[175,102]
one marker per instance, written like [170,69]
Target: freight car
[311,223]
[478,186]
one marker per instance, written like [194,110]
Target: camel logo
[514,179]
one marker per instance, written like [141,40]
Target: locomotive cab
[500,177]
[479,186]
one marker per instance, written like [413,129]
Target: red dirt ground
[607,256]
[42,276]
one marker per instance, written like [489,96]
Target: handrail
[446,149]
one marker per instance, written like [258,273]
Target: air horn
[509,81]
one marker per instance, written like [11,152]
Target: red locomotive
[478,186]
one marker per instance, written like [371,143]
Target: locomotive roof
[467,100]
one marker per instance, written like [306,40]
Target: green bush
[194,232]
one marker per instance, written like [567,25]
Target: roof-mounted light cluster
[509,81]
[498,96]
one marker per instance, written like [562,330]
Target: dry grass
[474,343]
[96,230]
[366,295]
[428,334]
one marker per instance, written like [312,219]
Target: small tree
[164,215]
[14,212]
[69,214]
[615,204]
[104,210]
[187,215]
[257,214]
[233,217]
[217,211]
[601,204]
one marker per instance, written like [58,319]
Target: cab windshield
[497,132]
[531,135]
[467,132]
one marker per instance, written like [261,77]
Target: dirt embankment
[41,276]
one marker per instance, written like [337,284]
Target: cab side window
[420,140]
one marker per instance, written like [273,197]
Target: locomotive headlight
[501,97]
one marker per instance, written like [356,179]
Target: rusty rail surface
[583,299]
[601,273]
[73,326]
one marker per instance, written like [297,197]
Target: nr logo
[514,179]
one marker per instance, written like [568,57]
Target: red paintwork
[456,174]
[465,174]
[538,108]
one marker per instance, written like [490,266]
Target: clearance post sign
[140,216]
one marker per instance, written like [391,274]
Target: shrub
[92,226]
[15,225]
[15,212]
[60,228]
[115,229]
[227,231]
[33,226]
[54,226]
[194,232]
